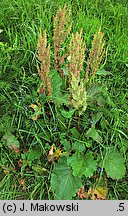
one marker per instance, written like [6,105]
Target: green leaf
[88,144]
[79,146]
[99,92]
[104,99]
[56,83]
[34,154]
[65,143]
[82,164]
[94,89]
[11,141]
[67,114]
[75,133]
[96,117]
[77,162]
[103,73]
[61,99]
[39,169]
[92,132]
[63,183]
[91,165]
[114,165]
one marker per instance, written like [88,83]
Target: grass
[20,24]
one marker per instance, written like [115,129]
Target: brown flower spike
[61,31]
[44,58]
[77,52]
[95,56]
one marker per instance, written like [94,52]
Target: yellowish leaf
[100,192]
[37,109]
[54,154]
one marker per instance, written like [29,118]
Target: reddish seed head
[42,90]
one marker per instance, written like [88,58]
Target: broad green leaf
[103,73]
[91,165]
[77,162]
[92,132]
[75,133]
[82,164]
[56,83]
[61,99]
[11,141]
[67,114]
[34,154]
[99,92]
[114,165]
[65,143]
[103,98]
[63,183]
[79,146]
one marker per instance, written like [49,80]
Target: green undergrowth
[60,152]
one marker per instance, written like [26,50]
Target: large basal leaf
[63,183]
[114,165]
[82,164]
[99,92]
[56,82]
[11,141]
[92,132]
